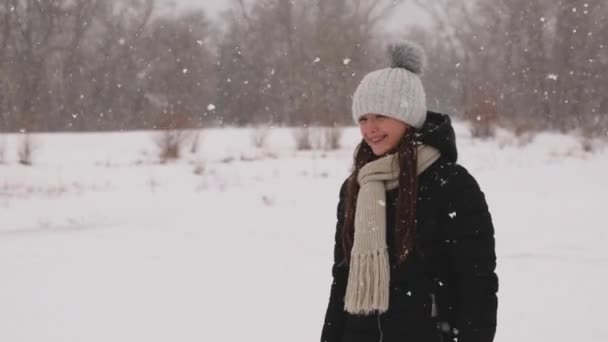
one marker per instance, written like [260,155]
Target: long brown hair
[405,213]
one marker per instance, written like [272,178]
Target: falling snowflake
[346,61]
[199,42]
[317,60]
[185,71]
[382,203]
[452,214]
[211,106]
[552,77]
[121,41]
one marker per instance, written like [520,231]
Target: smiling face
[382,133]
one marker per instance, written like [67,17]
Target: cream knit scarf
[367,289]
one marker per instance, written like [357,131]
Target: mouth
[376,140]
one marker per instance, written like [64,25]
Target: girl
[414,255]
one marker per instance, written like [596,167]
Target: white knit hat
[397,91]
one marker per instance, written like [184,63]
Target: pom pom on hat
[407,55]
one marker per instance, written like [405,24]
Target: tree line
[87,65]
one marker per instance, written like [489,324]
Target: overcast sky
[212,6]
[401,17]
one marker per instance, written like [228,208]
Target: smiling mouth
[376,140]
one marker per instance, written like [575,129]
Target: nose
[371,125]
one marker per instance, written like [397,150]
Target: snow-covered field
[100,242]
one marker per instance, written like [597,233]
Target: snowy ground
[99,242]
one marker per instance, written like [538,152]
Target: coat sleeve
[333,326]
[470,262]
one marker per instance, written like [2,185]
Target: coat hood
[438,132]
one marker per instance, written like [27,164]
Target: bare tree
[298,63]
[180,67]
[31,26]
[117,98]
[536,63]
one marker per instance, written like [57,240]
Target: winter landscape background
[101,242]
[172,173]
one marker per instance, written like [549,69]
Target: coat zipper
[380,329]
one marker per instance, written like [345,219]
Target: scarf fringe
[368,283]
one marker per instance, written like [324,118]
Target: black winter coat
[446,289]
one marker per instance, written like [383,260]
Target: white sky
[406,14]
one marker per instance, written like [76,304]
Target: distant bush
[25,150]
[175,131]
[169,143]
[2,149]
[259,136]
[199,168]
[196,141]
[482,112]
[331,137]
[303,138]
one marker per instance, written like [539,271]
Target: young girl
[414,252]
